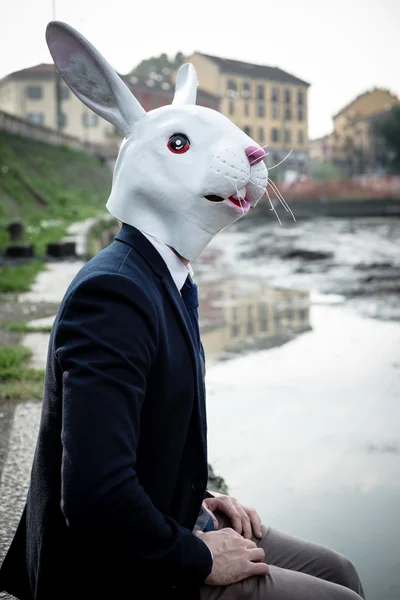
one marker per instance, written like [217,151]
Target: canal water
[301,326]
[309,432]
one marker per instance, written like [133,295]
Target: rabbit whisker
[256,150]
[283,160]
[239,198]
[255,161]
[273,207]
[281,198]
[237,192]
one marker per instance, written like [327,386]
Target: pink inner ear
[63,46]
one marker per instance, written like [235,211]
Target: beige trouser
[299,570]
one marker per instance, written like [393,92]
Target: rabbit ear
[91,78]
[186,85]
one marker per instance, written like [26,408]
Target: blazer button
[197,485]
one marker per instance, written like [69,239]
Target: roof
[237,67]
[148,84]
[320,139]
[41,71]
[143,84]
[350,104]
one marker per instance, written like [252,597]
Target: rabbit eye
[178,143]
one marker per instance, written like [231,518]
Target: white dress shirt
[178,270]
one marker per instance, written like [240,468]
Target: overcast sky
[342,47]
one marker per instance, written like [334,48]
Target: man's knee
[342,571]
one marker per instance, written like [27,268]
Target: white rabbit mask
[184,172]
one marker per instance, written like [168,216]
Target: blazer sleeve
[105,344]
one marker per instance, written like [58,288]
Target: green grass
[222,486]
[24,327]
[40,181]
[17,380]
[19,278]
[47,188]
[21,390]
[98,228]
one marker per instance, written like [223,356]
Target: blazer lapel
[133,237]
[187,329]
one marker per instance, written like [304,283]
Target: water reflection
[239,314]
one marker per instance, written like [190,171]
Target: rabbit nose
[254,154]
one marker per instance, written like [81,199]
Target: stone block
[21,250]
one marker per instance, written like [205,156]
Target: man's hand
[234,557]
[244,519]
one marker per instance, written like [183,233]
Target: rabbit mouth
[238,202]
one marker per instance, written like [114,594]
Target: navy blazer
[120,467]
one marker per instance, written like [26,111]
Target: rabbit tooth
[240,193]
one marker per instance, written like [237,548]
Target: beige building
[353,145]
[361,108]
[321,149]
[269,104]
[31,94]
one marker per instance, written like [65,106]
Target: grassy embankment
[47,188]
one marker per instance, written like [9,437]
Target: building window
[247,130]
[300,137]
[261,134]
[261,110]
[65,93]
[246,89]
[300,98]
[275,135]
[288,136]
[275,94]
[231,85]
[235,325]
[37,118]
[288,96]
[231,107]
[246,109]
[250,324]
[288,114]
[260,92]
[263,317]
[275,112]
[300,114]
[89,119]
[62,120]
[34,92]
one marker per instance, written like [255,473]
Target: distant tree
[388,128]
[325,171]
[349,151]
[179,59]
[159,67]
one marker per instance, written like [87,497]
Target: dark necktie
[191,300]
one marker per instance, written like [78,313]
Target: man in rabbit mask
[117,505]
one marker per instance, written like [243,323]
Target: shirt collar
[178,270]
